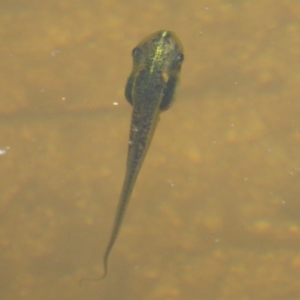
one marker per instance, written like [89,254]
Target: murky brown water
[215,212]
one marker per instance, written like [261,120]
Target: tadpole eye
[180,57]
[137,53]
